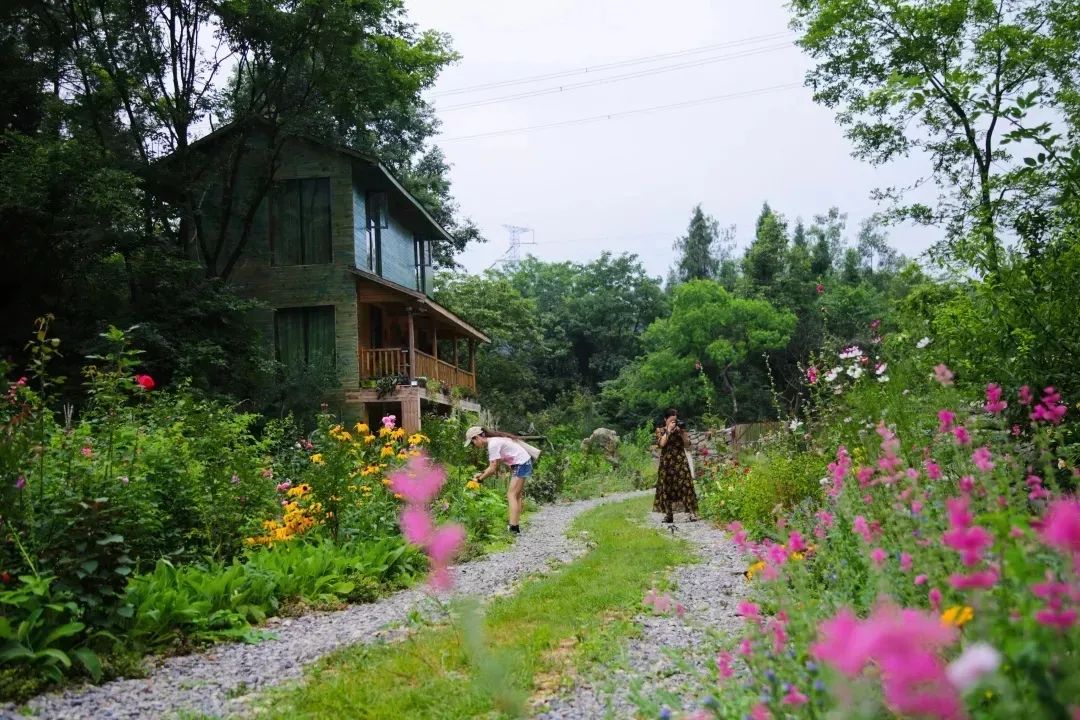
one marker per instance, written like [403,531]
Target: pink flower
[680,610]
[795,543]
[864,475]
[877,555]
[760,711]
[723,664]
[283,486]
[419,482]
[1061,526]
[1037,491]
[981,458]
[1059,619]
[1025,395]
[746,648]
[811,374]
[145,382]
[820,289]
[920,579]
[1050,409]
[776,554]
[943,374]
[994,404]
[977,660]
[416,525]
[970,541]
[945,420]
[980,580]
[86,451]
[443,544]
[738,535]
[903,645]
[961,434]
[749,611]
[858,524]
[826,518]
[905,561]
[967,483]
[916,507]
[662,604]
[1016,431]
[794,697]
[933,470]
[935,599]
[268,473]
[389,421]
[20,482]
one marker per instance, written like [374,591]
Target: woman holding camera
[674,482]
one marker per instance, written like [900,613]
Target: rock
[604,440]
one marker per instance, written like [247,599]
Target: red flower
[145,382]
[820,289]
[5,577]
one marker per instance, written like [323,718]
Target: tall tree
[764,259]
[952,80]
[698,257]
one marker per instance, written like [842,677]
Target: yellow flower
[317,458]
[415,453]
[368,439]
[754,569]
[385,431]
[402,455]
[417,439]
[398,496]
[387,451]
[362,429]
[386,482]
[797,556]
[398,433]
[344,437]
[472,485]
[958,615]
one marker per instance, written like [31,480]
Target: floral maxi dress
[674,484]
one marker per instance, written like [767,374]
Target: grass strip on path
[433,674]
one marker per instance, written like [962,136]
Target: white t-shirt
[505,449]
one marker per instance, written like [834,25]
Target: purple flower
[20,483]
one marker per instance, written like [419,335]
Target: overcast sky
[628,184]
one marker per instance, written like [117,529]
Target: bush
[769,486]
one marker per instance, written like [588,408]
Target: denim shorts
[524,470]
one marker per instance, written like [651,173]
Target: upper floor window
[300,222]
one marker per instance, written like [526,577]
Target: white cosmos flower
[883,378]
[851,353]
[880,369]
[855,372]
[831,375]
[794,425]
[976,660]
[923,343]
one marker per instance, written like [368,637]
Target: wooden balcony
[382,362]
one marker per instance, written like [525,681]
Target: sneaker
[516,529]
[669,518]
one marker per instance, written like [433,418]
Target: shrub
[757,493]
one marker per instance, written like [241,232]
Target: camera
[681,424]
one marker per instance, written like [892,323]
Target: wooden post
[412,345]
[434,339]
[457,364]
[472,357]
[410,409]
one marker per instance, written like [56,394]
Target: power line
[615,78]
[610,65]
[626,113]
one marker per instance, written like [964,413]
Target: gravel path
[215,682]
[710,590]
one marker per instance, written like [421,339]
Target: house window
[424,271]
[378,218]
[305,337]
[300,222]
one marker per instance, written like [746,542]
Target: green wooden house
[339,254]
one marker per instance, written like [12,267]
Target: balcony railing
[381,362]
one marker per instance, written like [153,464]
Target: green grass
[486,667]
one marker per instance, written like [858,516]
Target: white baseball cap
[472,432]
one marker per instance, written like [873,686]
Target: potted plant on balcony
[388,383]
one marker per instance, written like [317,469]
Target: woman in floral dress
[674,482]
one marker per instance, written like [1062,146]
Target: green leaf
[72,628]
[89,566]
[111,539]
[90,661]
